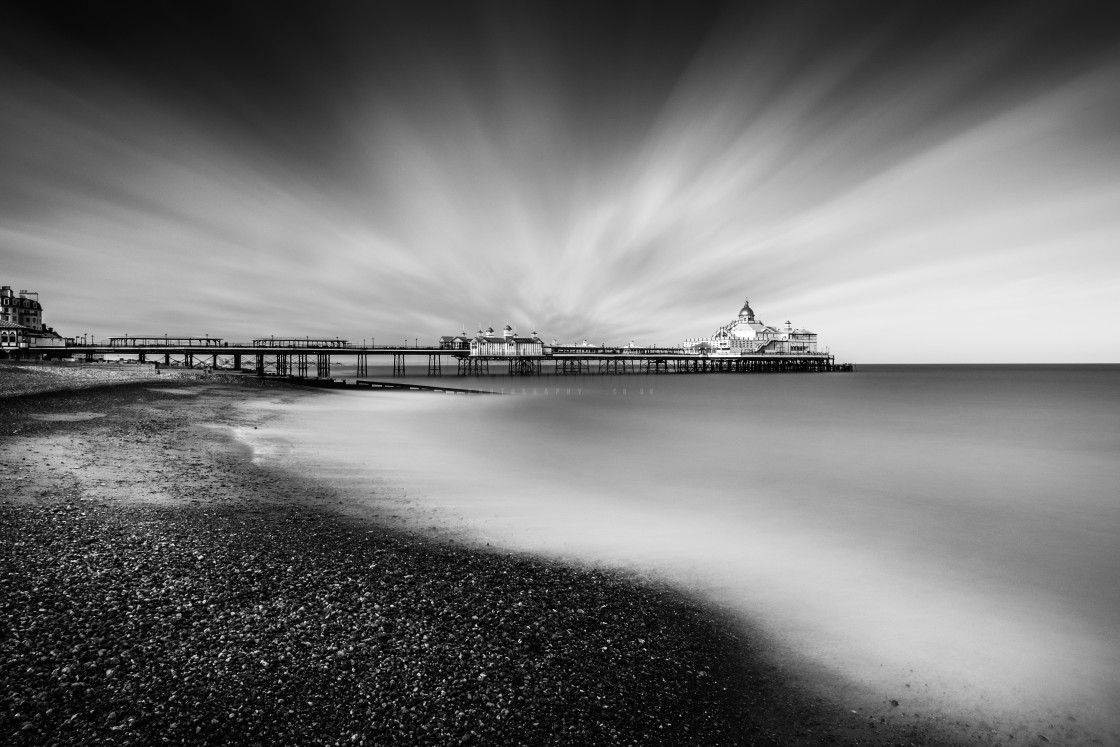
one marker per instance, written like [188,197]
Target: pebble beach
[158,587]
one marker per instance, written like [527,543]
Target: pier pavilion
[747,335]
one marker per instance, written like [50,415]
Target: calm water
[945,535]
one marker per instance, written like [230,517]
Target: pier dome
[746,314]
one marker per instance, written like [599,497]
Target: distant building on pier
[747,335]
[455,342]
[506,345]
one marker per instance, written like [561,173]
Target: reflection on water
[947,535]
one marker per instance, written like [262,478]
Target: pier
[309,358]
[743,345]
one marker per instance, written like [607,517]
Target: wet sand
[156,585]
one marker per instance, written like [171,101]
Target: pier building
[748,335]
[455,342]
[13,337]
[506,345]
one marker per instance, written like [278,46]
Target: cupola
[746,313]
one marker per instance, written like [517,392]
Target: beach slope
[156,585]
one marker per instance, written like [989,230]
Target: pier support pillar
[524,366]
[474,366]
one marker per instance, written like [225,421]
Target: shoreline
[283,621]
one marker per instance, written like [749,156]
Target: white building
[22,331]
[24,310]
[746,335]
[507,345]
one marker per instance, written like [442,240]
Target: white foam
[839,570]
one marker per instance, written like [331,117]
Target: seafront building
[747,335]
[26,311]
[22,332]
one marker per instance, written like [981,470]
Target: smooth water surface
[948,536]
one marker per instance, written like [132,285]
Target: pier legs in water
[473,367]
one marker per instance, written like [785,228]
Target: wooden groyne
[420,387]
[369,384]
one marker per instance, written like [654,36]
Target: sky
[915,182]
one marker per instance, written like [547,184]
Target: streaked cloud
[877,177]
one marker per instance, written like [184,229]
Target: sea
[936,540]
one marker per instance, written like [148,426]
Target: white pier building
[747,335]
